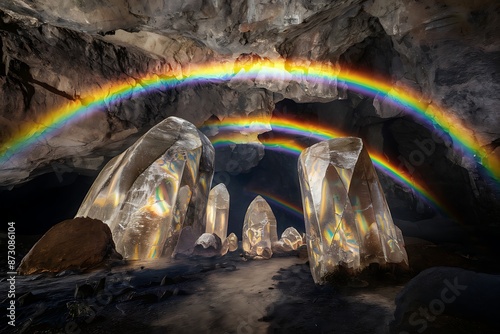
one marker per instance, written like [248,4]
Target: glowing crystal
[290,240]
[218,211]
[348,222]
[230,244]
[145,193]
[259,230]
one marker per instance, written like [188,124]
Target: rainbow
[228,136]
[261,71]
[280,202]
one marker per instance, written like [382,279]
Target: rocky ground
[230,295]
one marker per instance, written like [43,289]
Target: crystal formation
[218,211]
[230,244]
[290,240]
[259,230]
[150,191]
[348,222]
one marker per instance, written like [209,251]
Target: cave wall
[54,54]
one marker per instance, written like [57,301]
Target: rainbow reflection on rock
[348,222]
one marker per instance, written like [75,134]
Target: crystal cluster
[151,191]
[218,211]
[348,222]
[259,230]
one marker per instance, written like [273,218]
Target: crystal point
[230,244]
[150,191]
[218,211]
[348,222]
[259,230]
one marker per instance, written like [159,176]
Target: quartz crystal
[153,189]
[348,222]
[259,230]
[290,240]
[230,244]
[217,211]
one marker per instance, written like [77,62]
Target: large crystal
[259,230]
[145,193]
[218,211]
[196,208]
[348,222]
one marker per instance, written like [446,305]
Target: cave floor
[224,295]
[221,295]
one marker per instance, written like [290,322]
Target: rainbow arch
[264,70]
[316,132]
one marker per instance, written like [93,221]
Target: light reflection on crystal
[146,193]
[230,244]
[290,240]
[218,211]
[347,219]
[259,230]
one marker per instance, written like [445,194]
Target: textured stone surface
[448,292]
[208,244]
[259,230]
[144,193]
[348,222]
[74,244]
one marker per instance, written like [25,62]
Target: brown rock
[79,243]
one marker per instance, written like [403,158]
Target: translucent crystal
[230,244]
[145,193]
[259,230]
[196,209]
[292,237]
[347,219]
[217,211]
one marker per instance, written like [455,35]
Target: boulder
[76,244]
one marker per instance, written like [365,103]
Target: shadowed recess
[316,133]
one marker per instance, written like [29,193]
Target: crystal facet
[145,194]
[230,244]
[348,221]
[218,211]
[290,240]
[259,230]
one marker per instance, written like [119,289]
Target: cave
[417,81]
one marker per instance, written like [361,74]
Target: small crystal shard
[348,222]
[230,244]
[259,230]
[218,211]
[290,240]
[151,191]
